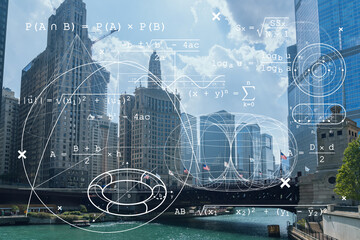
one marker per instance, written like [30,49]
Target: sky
[221,37]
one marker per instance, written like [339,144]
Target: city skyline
[102,77]
[191,119]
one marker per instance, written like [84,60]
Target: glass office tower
[326,23]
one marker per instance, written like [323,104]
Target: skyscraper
[154,79]
[267,156]
[99,83]
[56,88]
[304,134]
[8,135]
[127,102]
[216,137]
[248,150]
[3,22]
[254,152]
[335,24]
[341,29]
[189,144]
[152,114]
[104,137]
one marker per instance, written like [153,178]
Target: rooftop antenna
[53,8]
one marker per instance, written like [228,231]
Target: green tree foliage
[14,208]
[83,209]
[348,178]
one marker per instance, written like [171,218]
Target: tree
[14,208]
[348,178]
[83,209]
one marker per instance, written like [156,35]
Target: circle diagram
[105,191]
[132,189]
[237,152]
[319,70]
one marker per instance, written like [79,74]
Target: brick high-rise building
[58,91]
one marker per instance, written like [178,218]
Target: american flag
[282,156]
[206,167]
[186,171]
[146,176]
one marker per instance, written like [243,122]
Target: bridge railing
[314,235]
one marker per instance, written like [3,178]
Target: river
[251,226]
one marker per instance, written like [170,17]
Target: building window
[332,180]
[339,132]
[331,134]
[323,135]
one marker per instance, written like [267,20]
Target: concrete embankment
[14,220]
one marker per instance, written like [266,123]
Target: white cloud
[283,84]
[42,9]
[194,13]
[208,65]
[225,11]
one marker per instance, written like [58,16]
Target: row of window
[339,133]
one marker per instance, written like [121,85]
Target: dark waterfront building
[318,187]
[4,4]
[149,127]
[8,136]
[57,128]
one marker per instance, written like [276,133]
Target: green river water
[253,226]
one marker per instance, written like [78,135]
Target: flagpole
[249,167]
[281,170]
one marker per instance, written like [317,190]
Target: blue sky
[219,42]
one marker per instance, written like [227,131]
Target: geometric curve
[140,180]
